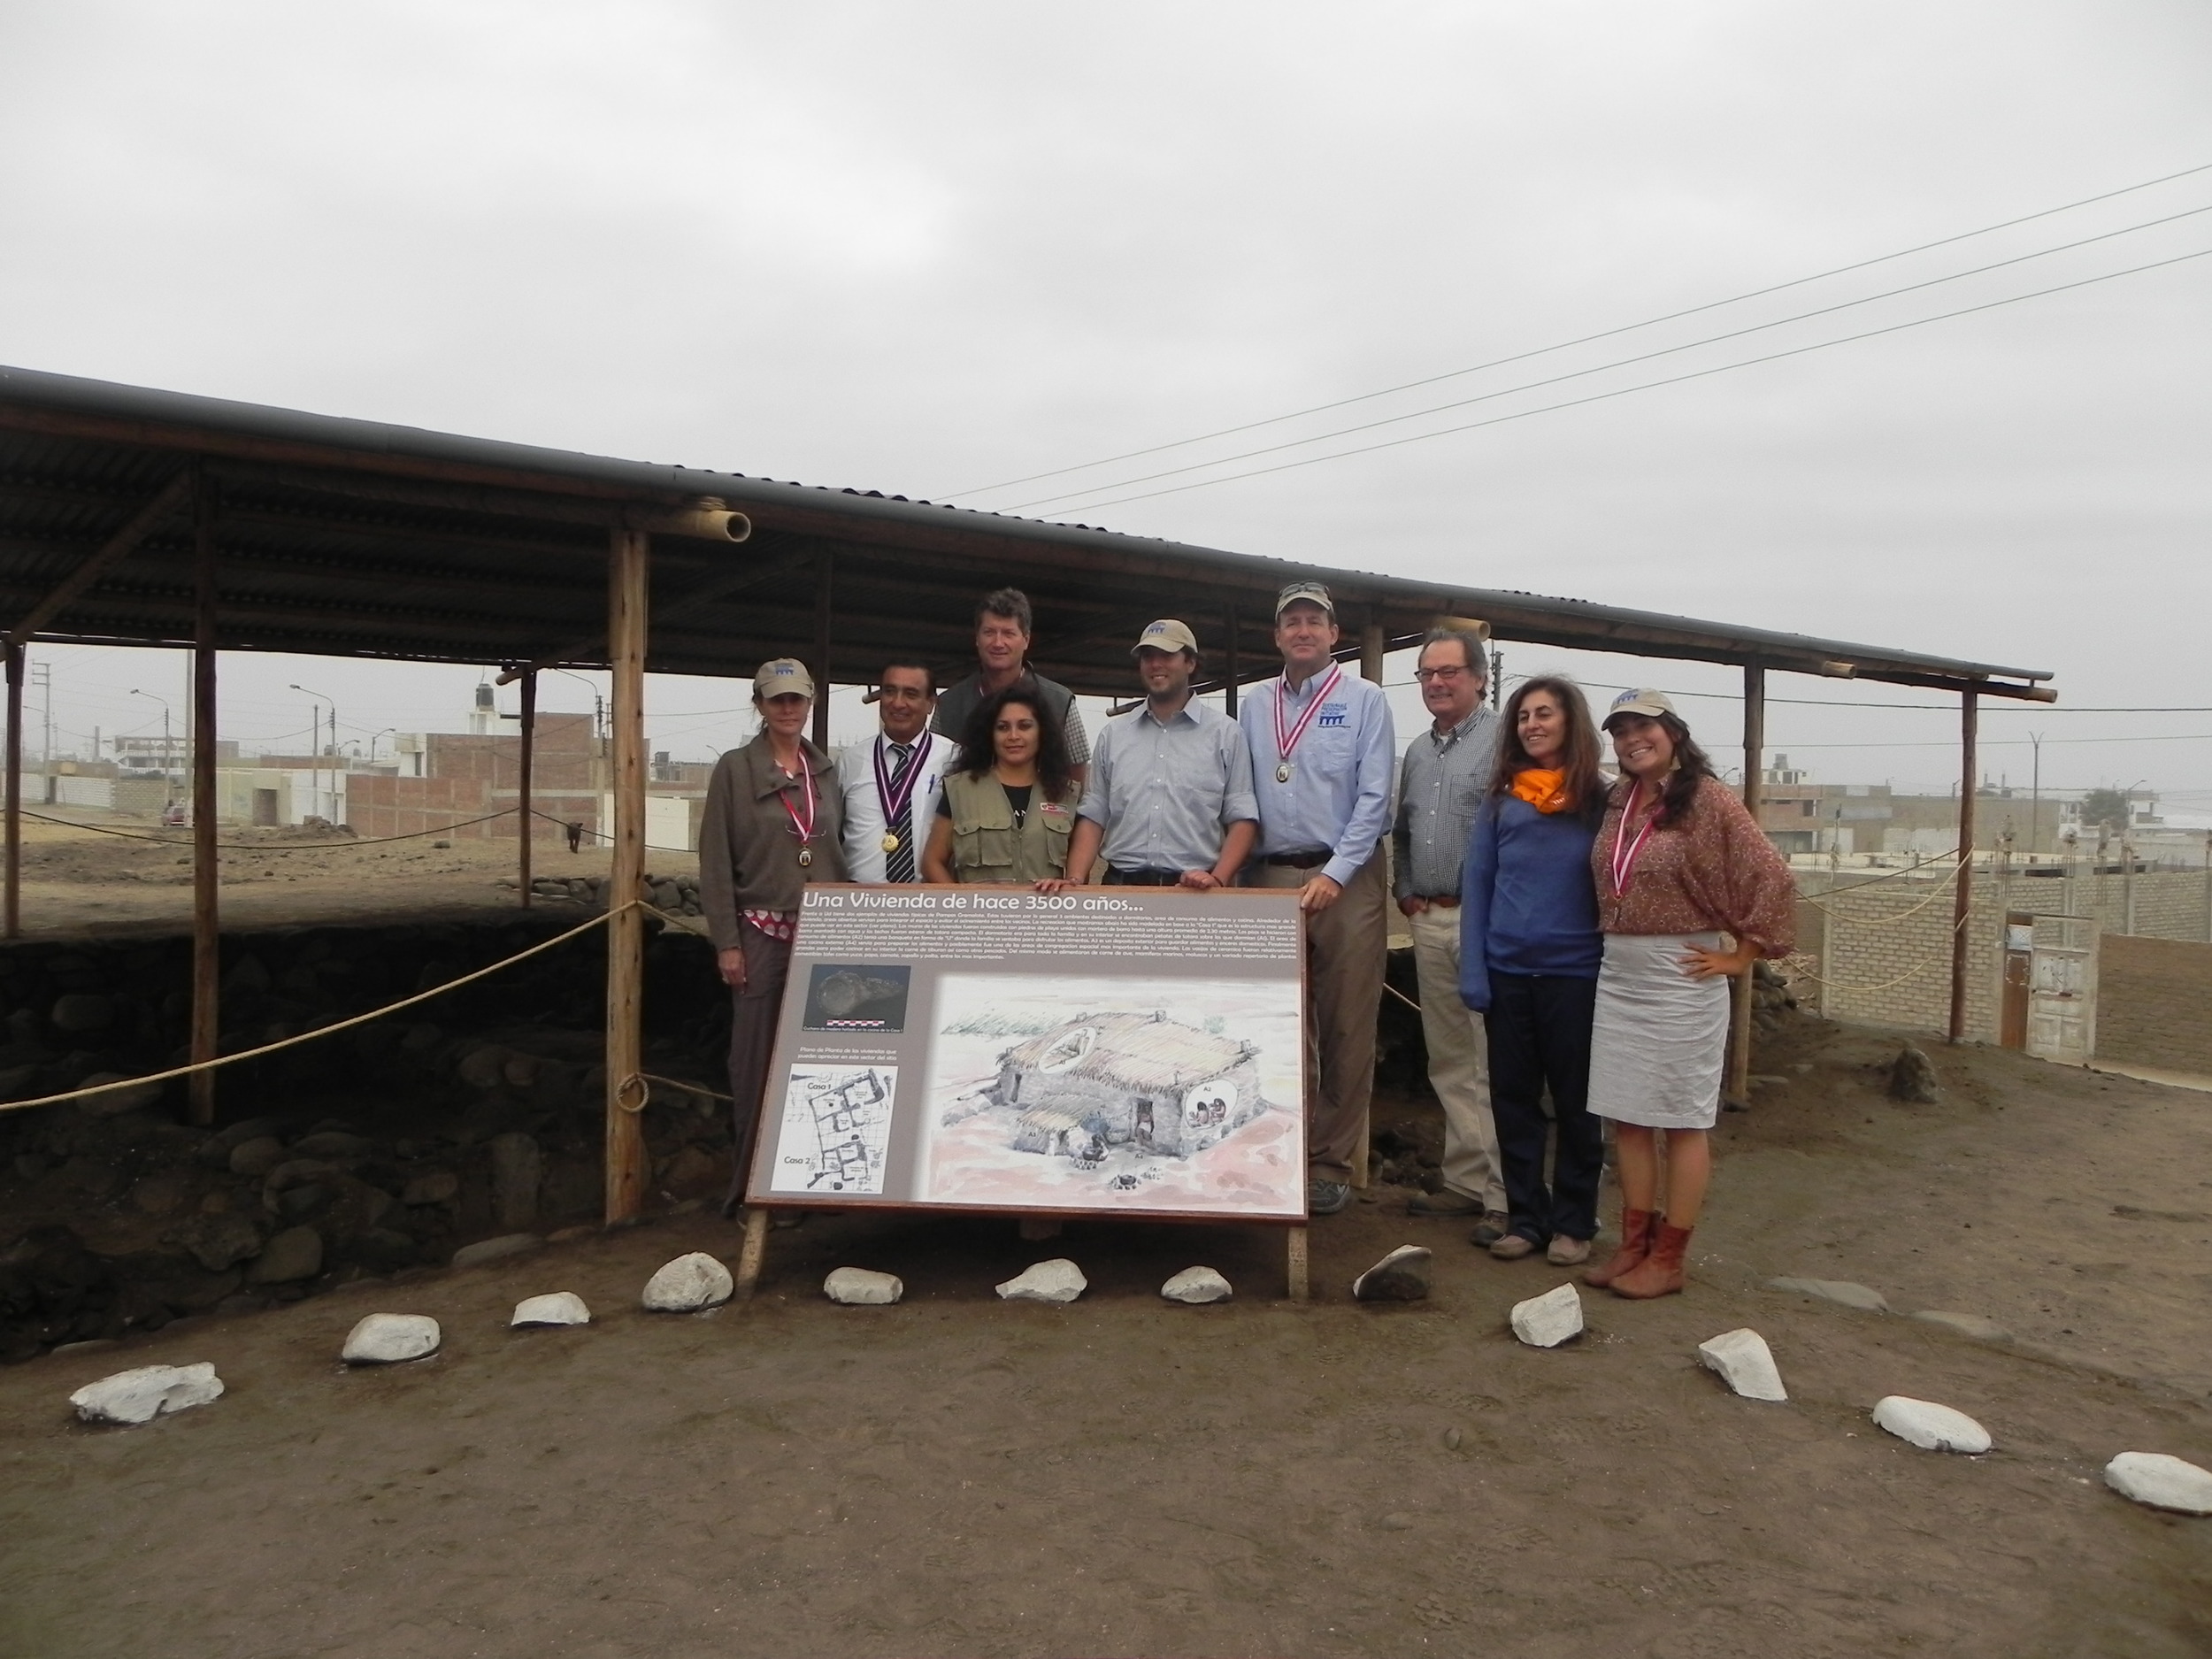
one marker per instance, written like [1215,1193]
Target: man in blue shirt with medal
[1323,753]
[892,781]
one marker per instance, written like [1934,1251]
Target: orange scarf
[1546,791]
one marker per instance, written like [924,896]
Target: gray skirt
[1659,1043]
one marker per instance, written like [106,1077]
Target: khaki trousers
[1344,946]
[1459,1067]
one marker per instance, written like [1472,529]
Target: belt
[1143,878]
[1298,861]
[1448,901]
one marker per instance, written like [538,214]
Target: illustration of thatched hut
[1139,1080]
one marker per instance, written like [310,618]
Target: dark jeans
[1539,1027]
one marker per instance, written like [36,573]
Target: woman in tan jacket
[1690,893]
[1008,807]
[774,821]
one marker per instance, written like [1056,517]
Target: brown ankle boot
[1636,1230]
[1661,1273]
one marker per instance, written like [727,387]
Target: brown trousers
[1345,948]
[753,1012]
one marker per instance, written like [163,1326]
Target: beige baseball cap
[1166,634]
[1644,700]
[1307,593]
[781,677]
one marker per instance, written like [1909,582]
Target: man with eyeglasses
[1440,786]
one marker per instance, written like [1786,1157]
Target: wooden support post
[207,928]
[1300,1285]
[11,897]
[752,1254]
[627,1167]
[1229,664]
[1969,725]
[526,820]
[825,576]
[1738,1092]
[1371,667]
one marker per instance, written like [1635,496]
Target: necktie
[898,864]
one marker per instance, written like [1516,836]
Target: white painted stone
[561,1307]
[1197,1285]
[2160,1481]
[1547,1320]
[860,1288]
[1401,1276]
[146,1392]
[386,1339]
[1836,1290]
[1056,1281]
[1745,1363]
[1930,1426]
[688,1284]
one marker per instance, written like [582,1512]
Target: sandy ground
[106,873]
[959,1476]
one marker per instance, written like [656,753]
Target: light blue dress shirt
[1338,797]
[1166,794]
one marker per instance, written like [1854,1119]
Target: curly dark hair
[978,754]
[1584,782]
[1692,767]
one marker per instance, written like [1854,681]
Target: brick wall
[2154,1003]
[1882,952]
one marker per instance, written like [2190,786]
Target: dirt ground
[107,875]
[956,1475]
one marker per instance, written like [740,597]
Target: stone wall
[369,1151]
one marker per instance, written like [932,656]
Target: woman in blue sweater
[1529,954]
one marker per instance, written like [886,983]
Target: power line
[1520,357]
[1618,363]
[1599,397]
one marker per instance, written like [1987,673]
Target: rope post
[12,888]
[1738,1092]
[1229,662]
[825,579]
[207,928]
[1373,641]
[524,819]
[628,1168]
[1969,725]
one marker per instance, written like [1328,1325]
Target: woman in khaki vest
[1008,808]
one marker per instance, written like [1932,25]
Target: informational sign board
[1122,1050]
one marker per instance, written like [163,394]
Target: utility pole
[2035,797]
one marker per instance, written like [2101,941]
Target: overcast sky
[932,249]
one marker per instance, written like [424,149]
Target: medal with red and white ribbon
[896,796]
[802,827]
[1287,737]
[1626,847]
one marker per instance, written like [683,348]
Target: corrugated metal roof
[354,538]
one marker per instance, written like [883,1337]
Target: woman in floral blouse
[1690,893]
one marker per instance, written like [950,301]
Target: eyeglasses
[1425,675]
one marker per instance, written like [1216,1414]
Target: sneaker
[1447,1202]
[1512,1247]
[1325,1198]
[1566,1252]
[1495,1224]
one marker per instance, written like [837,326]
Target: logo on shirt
[1331,714]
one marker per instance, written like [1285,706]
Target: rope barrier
[319,1031]
[1797,969]
[251,847]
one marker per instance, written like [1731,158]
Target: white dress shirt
[863,807]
